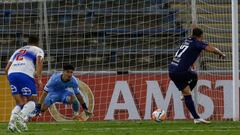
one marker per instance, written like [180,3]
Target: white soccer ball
[159,115]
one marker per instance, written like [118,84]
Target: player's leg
[31,102]
[69,98]
[193,79]
[14,114]
[49,100]
[18,100]
[75,106]
[23,115]
[29,90]
[28,108]
[181,80]
[177,80]
[189,102]
[186,91]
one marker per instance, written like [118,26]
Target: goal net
[121,50]
[214,17]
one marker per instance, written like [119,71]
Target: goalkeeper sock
[15,110]
[27,109]
[190,105]
[75,106]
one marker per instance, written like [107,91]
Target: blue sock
[75,106]
[190,105]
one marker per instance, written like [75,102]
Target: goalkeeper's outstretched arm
[84,106]
[80,99]
[40,107]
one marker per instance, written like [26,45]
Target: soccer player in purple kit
[180,71]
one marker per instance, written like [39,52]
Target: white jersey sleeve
[40,53]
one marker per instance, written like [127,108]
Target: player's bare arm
[39,65]
[215,50]
[80,99]
[7,67]
[43,96]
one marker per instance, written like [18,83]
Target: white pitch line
[153,129]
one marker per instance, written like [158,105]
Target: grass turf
[130,128]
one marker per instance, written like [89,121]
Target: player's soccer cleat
[12,128]
[25,127]
[88,113]
[201,121]
[20,122]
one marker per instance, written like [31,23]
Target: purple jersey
[186,55]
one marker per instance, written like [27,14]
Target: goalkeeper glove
[88,113]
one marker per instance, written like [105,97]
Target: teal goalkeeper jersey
[56,85]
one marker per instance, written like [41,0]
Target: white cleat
[25,127]
[201,121]
[20,122]
[12,127]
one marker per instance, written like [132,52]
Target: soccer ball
[159,115]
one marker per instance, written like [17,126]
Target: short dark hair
[32,39]
[197,32]
[68,67]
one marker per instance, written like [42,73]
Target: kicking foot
[199,121]
[21,123]
[13,128]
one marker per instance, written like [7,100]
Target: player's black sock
[190,105]
[193,83]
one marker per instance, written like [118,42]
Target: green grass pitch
[130,128]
